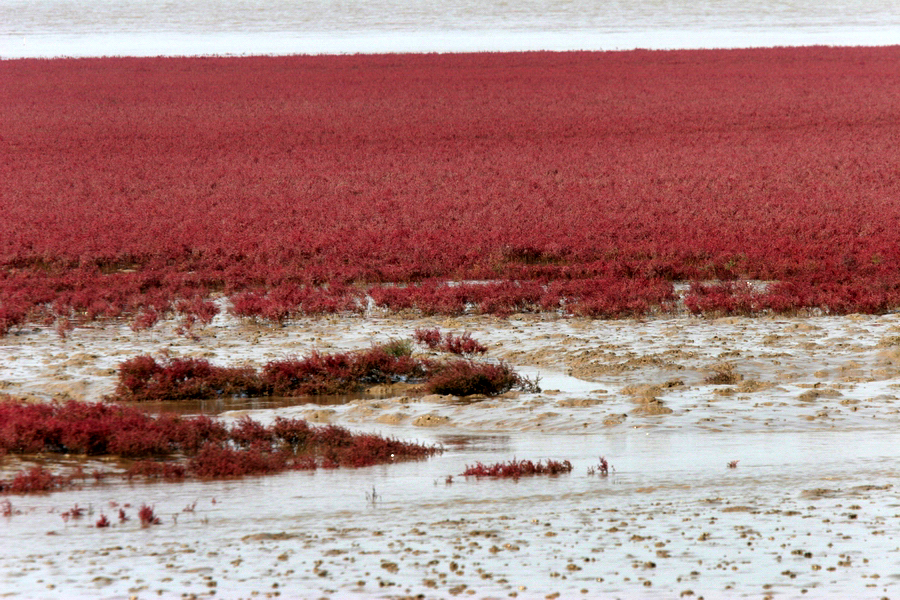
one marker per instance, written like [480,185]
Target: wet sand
[807,406]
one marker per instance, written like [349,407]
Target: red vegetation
[76,512]
[518,468]
[173,448]
[34,480]
[144,378]
[602,467]
[577,182]
[463,345]
[147,516]
[339,372]
[465,377]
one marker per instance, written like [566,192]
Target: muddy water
[807,408]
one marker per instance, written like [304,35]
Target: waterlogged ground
[807,406]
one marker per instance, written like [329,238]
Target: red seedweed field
[577,183]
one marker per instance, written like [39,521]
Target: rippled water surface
[795,515]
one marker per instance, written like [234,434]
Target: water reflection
[217,406]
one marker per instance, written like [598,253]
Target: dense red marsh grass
[578,182]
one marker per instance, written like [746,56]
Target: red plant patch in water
[76,512]
[518,468]
[183,447]
[147,516]
[144,378]
[34,480]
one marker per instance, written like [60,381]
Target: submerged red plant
[34,480]
[339,372]
[602,467]
[76,512]
[147,516]
[518,468]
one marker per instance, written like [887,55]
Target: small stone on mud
[430,420]
[390,567]
[392,418]
[614,419]
[322,415]
[653,407]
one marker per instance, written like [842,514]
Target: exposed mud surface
[708,374]
[807,407]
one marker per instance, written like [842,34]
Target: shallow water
[794,515]
[812,504]
[41,28]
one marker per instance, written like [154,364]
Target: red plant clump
[181,447]
[339,372]
[34,480]
[76,512]
[463,345]
[147,516]
[587,183]
[518,468]
[602,467]
[465,378]
[144,378]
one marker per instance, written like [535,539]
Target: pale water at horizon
[48,28]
